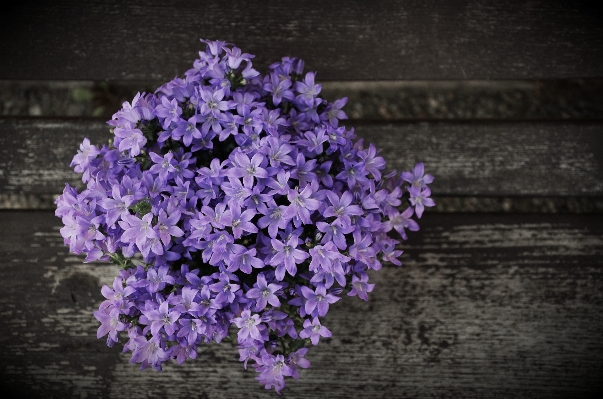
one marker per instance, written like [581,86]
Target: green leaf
[297,344]
[121,261]
[141,207]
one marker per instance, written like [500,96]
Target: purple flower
[390,254]
[420,199]
[131,140]
[303,170]
[341,208]
[154,186]
[280,185]
[335,232]
[138,230]
[263,293]
[187,130]
[183,351]
[248,168]
[83,157]
[301,203]
[272,371]
[278,152]
[279,89]
[297,359]
[224,179]
[215,172]
[322,173]
[186,302]
[274,220]
[166,226]
[235,57]
[287,256]
[169,110]
[224,289]
[318,301]
[362,249]
[159,278]
[162,317]
[401,221]
[191,329]
[307,89]
[360,286]
[328,277]
[236,192]
[257,201]
[250,121]
[213,103]
[239,222]
[372,163]
[314,330]
[116,297]
[323,257]
[248,325]
[334,112]
[417,177]
[148,352]
[89,229]
[164,166]
[248,352]
[212,216]
[244,260]
[242,101]
[110,324]
[116,207]
[272,121]
[353,172]
[314,140]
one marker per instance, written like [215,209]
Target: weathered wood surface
[387,39]
[489,306]
[475,158]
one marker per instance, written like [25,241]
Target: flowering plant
[231,198]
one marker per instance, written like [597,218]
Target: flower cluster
[233,200]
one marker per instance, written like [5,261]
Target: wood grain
[473,158]
[377,40]
[490,306]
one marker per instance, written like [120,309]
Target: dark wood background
[342,40]
[485,306]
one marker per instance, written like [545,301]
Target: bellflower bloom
[248,168]
[360,287]
[318,301]
[287,256]
[420,199]
[162,317]
[169,111]
[231,199]
[314,330]
[263,293]
[307,89]
[159,278]
[272,371]
[248,325]
[110,324]
[417,177]
[334,113]
[131,140]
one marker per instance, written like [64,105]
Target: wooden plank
[490,306]
[35,155]
[387,39]
[476,158]
[497,158]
